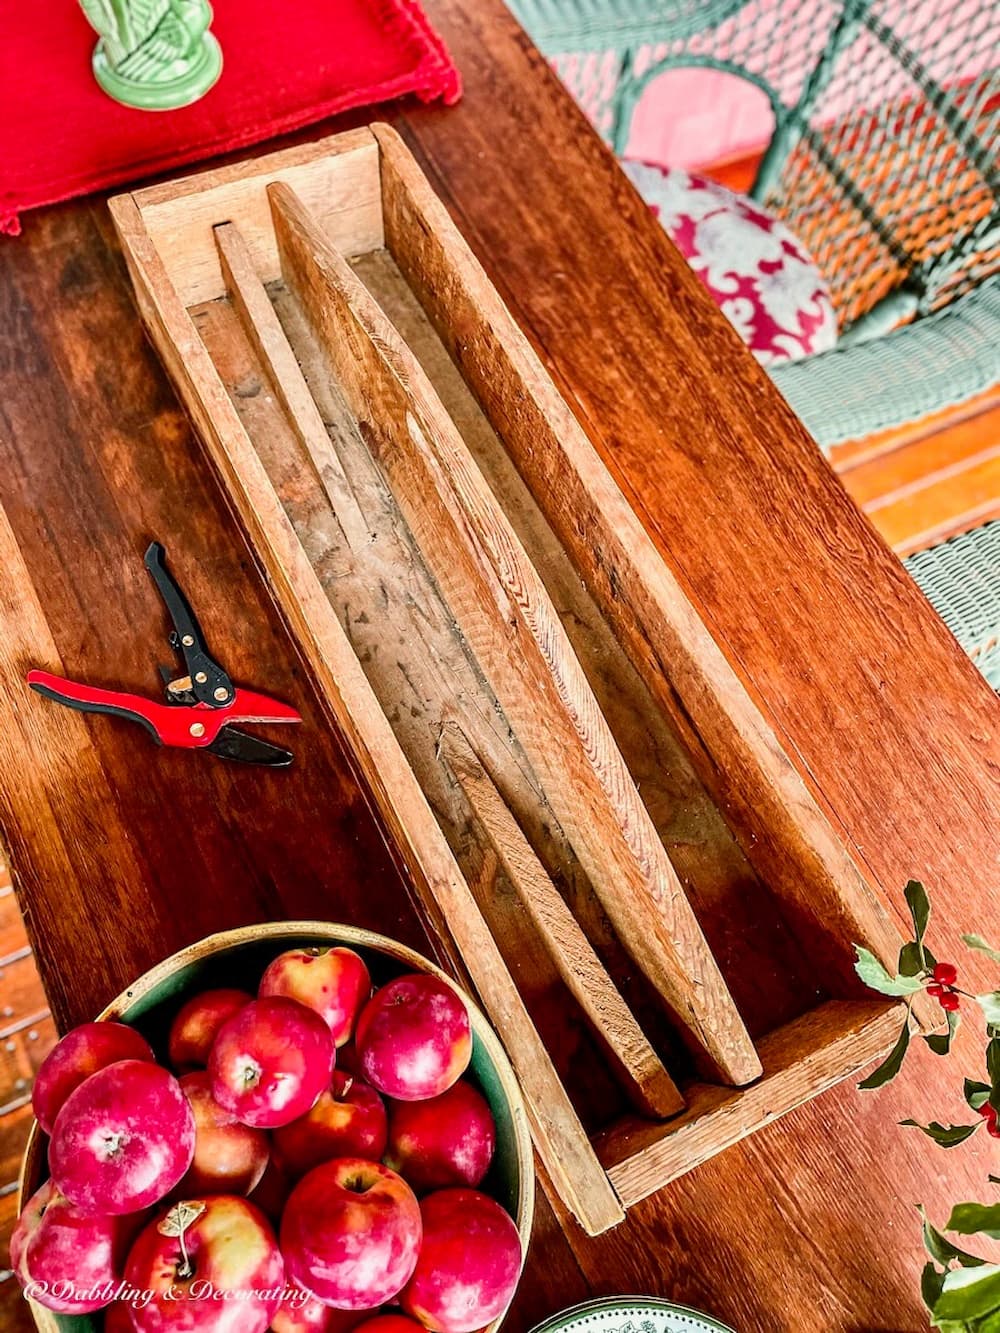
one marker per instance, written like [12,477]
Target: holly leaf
[971,1219]
[977,942]
[915,958]
[939,1247]
[931,1284]
[976,1094]
[919,905]
[990,1005]
[874,975]
[940,1042]
[892,1063]
[946,1136]
[969,1293]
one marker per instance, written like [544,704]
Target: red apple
[413,1038]
[348,1121]
[123,1139]
[197,1024]
[65,1259]
[271,1061]
[194,1253]
[390,1323]
[301,1313]
[82,1052]
[334,982]
[469,1263]
[229,1157]
[447,1140]
[351,1233]
[118,1318]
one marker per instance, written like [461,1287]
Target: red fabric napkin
[285,65]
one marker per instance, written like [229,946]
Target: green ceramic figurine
[154,54]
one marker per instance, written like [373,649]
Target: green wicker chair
[883,161]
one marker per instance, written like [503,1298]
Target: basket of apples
[299,1127]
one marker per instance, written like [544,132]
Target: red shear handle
[187,726]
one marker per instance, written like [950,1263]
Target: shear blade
[246,749]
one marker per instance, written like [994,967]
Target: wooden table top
[122,853]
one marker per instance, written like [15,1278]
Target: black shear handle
[209,683]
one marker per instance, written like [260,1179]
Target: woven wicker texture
[917,369]
[961,579]
[887,114]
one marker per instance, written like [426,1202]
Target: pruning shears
[202,704]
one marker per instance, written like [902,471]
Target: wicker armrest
[943,359]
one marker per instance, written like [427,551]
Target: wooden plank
[921,462]
[651,1088]
[741,921]
[268,337]
[781,827]
[180,215]
[800,1061]
[419,668]
[928,508]
[21,990]
[442,893]
[13,935]
[504,611]
[856,453]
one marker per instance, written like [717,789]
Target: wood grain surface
[505,613]
[807,1226]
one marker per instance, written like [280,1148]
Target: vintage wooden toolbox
[594,817]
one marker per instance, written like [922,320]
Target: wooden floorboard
[27,1033]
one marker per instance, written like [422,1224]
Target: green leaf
[990,1005]
[892,1063]
[971,1219]
[969,1293]
[977,942]
[940,1042]
[976,1094]
[993,1060]
[931,1284]
[947,1136]
[915,958]
[873,974]
[939,1247]
[919,905]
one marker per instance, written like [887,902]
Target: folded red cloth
[285,65]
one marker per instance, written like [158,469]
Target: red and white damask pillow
[759,275]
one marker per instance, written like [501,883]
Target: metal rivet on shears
[222,694]
[200,677]
[187,641]
[197,729]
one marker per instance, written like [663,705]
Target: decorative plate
[631,1314]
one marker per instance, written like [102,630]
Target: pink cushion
[759,275]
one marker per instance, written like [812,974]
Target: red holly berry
[946,974]
[935,989]
[949,1000]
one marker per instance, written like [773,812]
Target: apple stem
[186,1269]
